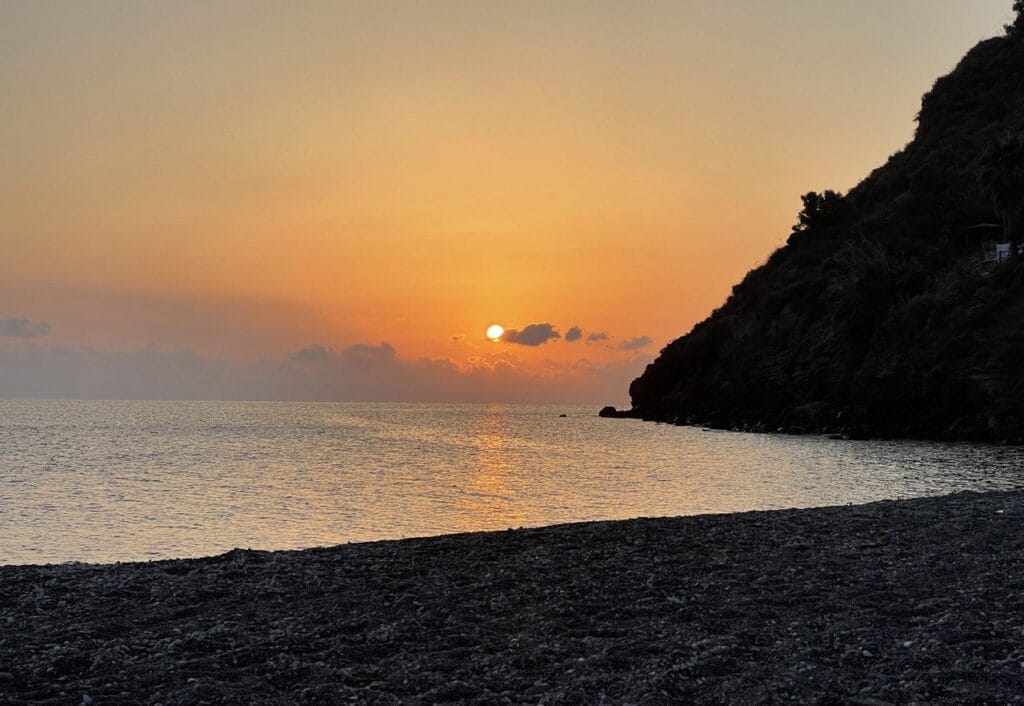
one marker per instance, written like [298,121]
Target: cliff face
[880,316]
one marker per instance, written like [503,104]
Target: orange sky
[246,179]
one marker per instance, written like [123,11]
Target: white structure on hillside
[989,236]
[1001,252]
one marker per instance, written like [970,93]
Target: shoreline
[893,601]
[812,427]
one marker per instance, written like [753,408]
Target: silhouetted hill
[883,314]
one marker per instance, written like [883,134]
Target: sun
[494,332]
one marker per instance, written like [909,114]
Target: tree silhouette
[1018,22]
[1002,172]
[819,210]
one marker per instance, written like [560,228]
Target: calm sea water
[114,481]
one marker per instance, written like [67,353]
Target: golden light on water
[495,332]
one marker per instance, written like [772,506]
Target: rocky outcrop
[884,314]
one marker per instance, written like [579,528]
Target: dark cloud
[366,355]
[19,327]
[573,334]
[312,354]
[635,344]
[597,336]
[359,355]
[532,335]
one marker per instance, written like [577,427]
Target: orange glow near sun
[494,332]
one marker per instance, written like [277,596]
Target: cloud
[19,327]
[366,355]
[635,344]
[360,355]
[597,336]
[359,373]
[531,335]
[312,354]
[573,334]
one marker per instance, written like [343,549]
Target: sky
[276,200]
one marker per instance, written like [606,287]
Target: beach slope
[901,601]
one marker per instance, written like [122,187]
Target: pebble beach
[891,602]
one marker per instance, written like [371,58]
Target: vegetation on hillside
[881,316]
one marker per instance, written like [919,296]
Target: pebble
[586,616]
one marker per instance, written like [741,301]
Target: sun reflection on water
[489,499]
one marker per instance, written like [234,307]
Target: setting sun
[494,332]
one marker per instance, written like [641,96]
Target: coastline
[894,601]
[813,426]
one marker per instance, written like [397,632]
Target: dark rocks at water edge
[903,601]
[612,413]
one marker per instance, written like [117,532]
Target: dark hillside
[886,314]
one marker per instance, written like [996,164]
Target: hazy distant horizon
[354,374]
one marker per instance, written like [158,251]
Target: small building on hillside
[988,238]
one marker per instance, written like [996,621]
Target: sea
[103,481]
